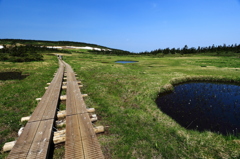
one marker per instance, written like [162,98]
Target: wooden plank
[46,99]
[39,110]
[92,149]
[85,125]
[46,108]
[41,143]
[75,101]
[37,135]
[81,141]
[73,143]
[23,144]
[50,113]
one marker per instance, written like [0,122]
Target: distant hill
[49,43]
[64,45]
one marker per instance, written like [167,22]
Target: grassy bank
[18,96]
[124,97]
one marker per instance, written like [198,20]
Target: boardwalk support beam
[65,87]
[60,114]
[59,137]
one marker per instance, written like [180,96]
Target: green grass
[18,96]
[124,98]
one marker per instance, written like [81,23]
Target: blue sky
[133,25]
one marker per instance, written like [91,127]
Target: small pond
[204,106]
[12,75]
[125,62]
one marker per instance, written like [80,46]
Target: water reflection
[204,106]
[126,61]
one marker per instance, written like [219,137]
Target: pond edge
[167,88]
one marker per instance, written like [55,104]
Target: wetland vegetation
[124,98]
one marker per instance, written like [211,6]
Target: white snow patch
[54,47]
[89,48]
[75,47]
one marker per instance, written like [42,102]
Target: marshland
[124,96]
[204,106]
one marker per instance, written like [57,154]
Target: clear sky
[133,25]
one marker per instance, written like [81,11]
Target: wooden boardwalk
[81,141]
[36,138]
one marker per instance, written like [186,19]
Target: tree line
[112,52]
[26,53]
[186,50]
[38,46]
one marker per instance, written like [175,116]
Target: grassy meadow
[18,96]
[124,98]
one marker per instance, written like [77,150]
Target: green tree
[184,50]
[173,51]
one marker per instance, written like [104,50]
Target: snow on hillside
[74,47]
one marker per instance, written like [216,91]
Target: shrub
[21,54]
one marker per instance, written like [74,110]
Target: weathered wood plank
[37,134]
[73,144]
[81,141]
[46,108]
[43,138]
[24,142]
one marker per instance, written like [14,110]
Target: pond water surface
[204,106]
[126,61]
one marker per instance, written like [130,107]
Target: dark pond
[12,75]
[126,61]
[204,106]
